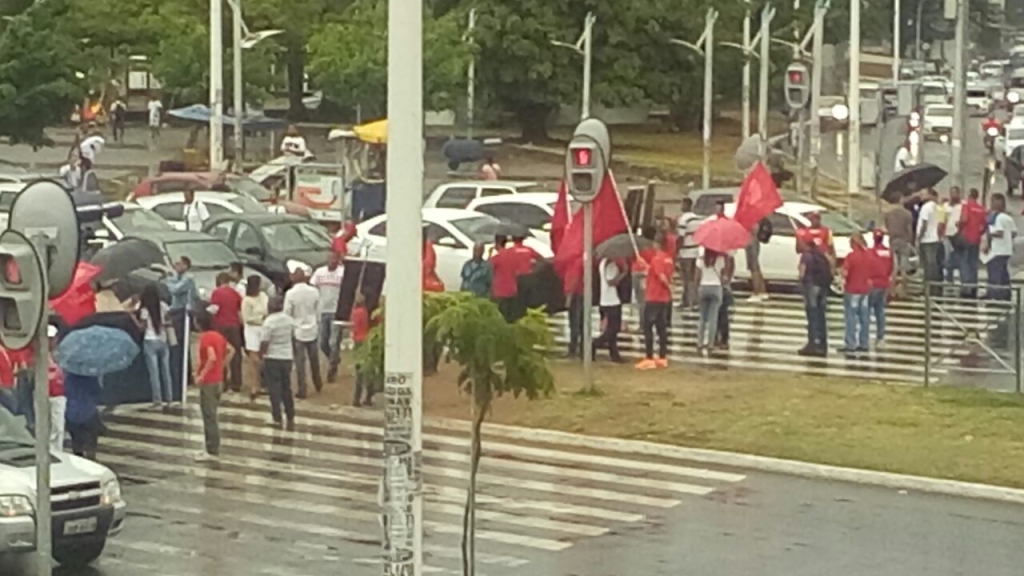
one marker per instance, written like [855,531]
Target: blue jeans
[857,316]
[998,275]
[709,300]
[158,363]
[330,341]
[815,306]
[24,395]
[953,259]
[969,259]
[877,302]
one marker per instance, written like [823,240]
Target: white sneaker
[754,298]
[205,457]
[879,344]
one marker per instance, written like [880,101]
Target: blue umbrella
[96,351]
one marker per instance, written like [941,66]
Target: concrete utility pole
[959,96]
[216,85]
[401,490]
[853,141]
[897,32]
[746,73]
[762,98]
[705,46]
[471,76]
[239,104]
[820,8]
[583,47]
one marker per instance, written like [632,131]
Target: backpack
[764,231]
[819,270]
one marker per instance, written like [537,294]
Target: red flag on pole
[758,197]
[561,218]
[609,220]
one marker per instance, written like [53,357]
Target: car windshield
[294,236]
[247,204]
[470,227]
[933,90]
[943,111]
[13,431]
[205,254]
[1015,133]
[839,225]
[139,220]
[249,187]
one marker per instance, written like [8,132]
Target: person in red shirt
[339,245]
[858,268]
[881,283]
[657,306]
[227,319]
[214,353]
[360,320]
[972,227]
[508,265]
[816,235]
[431,281]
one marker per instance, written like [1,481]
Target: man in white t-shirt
[997,252]
[194,212]
[90,148]
[953,209]
[155,108]
[302,303]
[611,274]
[327,280]
[929,240]
[686,227]
[904,159]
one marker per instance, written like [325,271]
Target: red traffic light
[12,274]
[796,76]
[582,157]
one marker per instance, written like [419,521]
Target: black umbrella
[620,246]
[121,259]
[911,180]
[503,228]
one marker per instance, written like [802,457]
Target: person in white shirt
[293,144]
[302,303]
[194,212]
[904,159]
[612,273]
[929,240]
[90,148]
[155,108]
[327,280]
[710,271]
[276,351]
[950,228]
[997,252]
[686,227]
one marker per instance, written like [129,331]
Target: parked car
[460,194]
[171,206]
[705,202]
[274,244]
[531,209]
[453,232]
[86,503]
[133,221]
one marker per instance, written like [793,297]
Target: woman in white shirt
[293,144]
[152,316]
[254,311]
[710,274]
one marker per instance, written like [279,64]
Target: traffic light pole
[853,141]
[709,71]
[762,98]
[959,100]
[746,74]
[44,519]
[588,294]
[816,54]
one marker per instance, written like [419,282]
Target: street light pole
[470,75]
[709,72]
[762,98]
[820,8]
[216,85]
[959,101]
[853,140]
[588,29]
[746,74]
[239,105]
[897,32]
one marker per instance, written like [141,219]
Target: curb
[752,462]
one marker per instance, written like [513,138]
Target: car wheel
[78,555]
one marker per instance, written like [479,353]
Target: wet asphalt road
[304,504]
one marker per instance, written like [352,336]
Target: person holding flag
[756,202]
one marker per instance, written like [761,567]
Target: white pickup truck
[86,502]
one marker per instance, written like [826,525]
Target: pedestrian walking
[929,241]
[214,355]
[276,353]
[899,224]
[194,212]
[815,283]
[118,115]
[1001,232]
[302,304]
[762,234]
[612,273]
[881,284]
[58,403]
[951,243]
[857,272]
[973,225]
[153,319]
[227,319]
[360,320]
[490,170]
[710,271]
[254,312]
[686,227]
[476,274]
[155,108]
[657,306]
[327,280]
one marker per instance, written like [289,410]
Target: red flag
[561,218]
[758,197]
[609,220]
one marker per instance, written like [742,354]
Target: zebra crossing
[766,336]
[295,502]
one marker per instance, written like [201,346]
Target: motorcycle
[991,133]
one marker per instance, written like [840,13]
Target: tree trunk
[533,122]
[296,58]
[469,515]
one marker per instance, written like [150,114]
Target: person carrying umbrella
[711,272]
[612,272]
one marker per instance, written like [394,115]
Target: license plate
[80,526]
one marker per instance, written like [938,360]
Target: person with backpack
[815,282]
[762,234]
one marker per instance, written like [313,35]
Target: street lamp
[705,47]
[583,48]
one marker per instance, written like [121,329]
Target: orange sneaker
[646,364]
[661,362]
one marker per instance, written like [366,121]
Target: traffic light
[586,160]
[798,86]
[22,291]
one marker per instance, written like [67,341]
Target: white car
[938,122]
[1013,136]
[171,206]
[933,92]
[460,194]
[86,503]
[778,258]
[531,209]
[453,232]
[978,101]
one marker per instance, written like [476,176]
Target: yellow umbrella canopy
[375,132]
